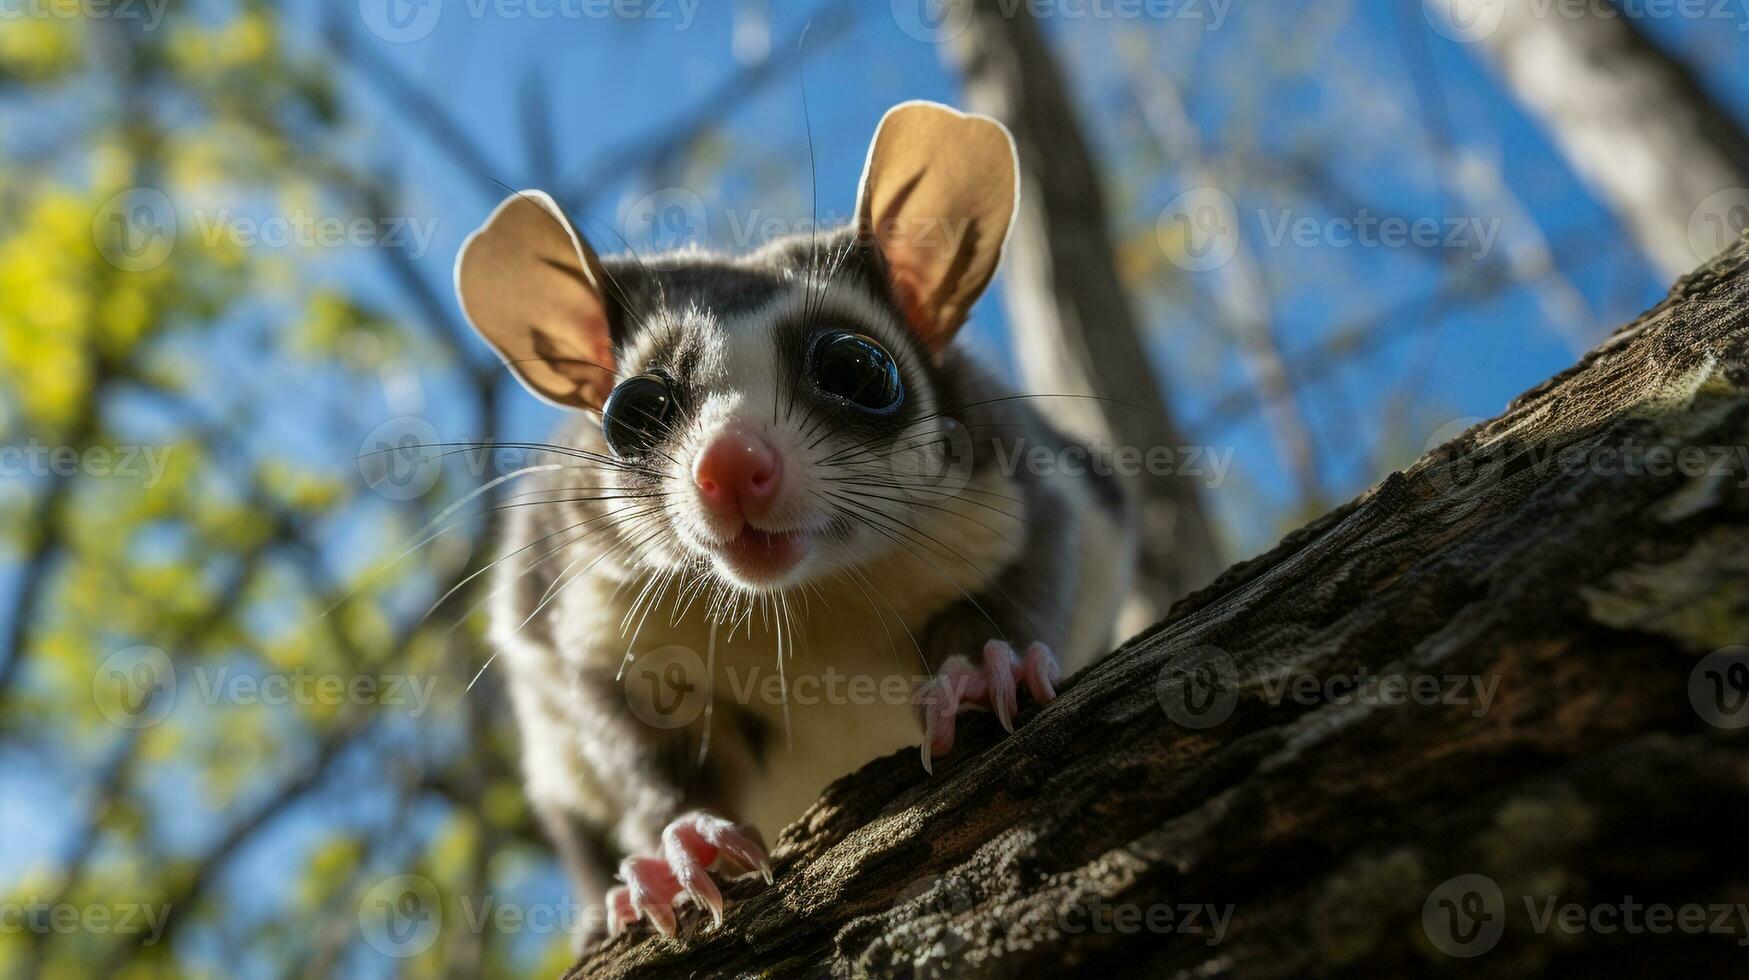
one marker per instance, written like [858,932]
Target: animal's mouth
[763,557]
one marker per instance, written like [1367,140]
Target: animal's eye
[637,415]
[859,370]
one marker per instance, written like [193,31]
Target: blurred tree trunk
[1632,121]
[1074,330]
[1588,605]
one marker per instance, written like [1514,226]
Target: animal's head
[782,415]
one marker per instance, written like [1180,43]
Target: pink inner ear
[909,296]
[589,368]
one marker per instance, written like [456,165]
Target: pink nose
[737,474]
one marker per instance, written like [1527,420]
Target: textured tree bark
[1566,586]
[1633,122]
[1074,331]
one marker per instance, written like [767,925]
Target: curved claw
[691,845]
[1000,666]
[653,888]
[1040,670]
[620,911]
[994,683]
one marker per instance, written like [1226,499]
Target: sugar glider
[781,478]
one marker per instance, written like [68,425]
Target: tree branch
[1245,756]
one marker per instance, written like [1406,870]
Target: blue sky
[615,84]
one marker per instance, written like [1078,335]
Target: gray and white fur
[657,671]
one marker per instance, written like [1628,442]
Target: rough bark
[1074,331]
[1633,122]
[1522,554]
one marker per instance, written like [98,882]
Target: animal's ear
[937,197]
[532,288]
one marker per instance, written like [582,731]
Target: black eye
[637,415]
[855,368]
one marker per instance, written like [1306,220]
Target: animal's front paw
[994,684]
[691,845]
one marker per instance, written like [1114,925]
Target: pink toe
[653,889]
[688,855]
[742,847]
[620,912]
[1000,666]
[938,702]
[1041,673]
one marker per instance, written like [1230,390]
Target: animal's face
[792,428]
[778,416]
